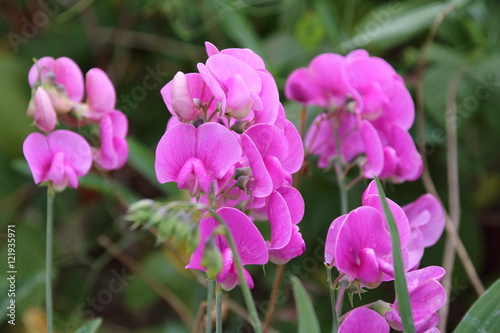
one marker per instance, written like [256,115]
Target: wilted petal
[364,320]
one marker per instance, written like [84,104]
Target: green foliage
[307,320]
[90,327]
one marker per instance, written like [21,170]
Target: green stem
[247,295]
[335,325]
[48,259]
[344,200]
[210,301]
[218,307]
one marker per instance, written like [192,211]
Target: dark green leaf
[308,321]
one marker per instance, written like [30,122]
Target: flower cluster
[367,114]
[358,244]
[229,144]
[62,156]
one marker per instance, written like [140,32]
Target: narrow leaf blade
[90,326]
[308,321]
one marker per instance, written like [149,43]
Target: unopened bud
[242,182]
[44,113]
[182,101]
[239,126]
[244,171]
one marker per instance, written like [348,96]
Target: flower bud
[44,113]
[182,101]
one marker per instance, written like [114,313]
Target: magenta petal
[390,162]
[176,146]
[182,101]
[261,185]
[302,87]
[373,148]
[293,162]
[56,173]
[217,148]
[193,176]
[211,49]
[368,271]
[238,97]
[295,247]
[331,239]
[206,227]
[213,85]
[45,115]
[251,246]
[275,170]
[270,99]
[280,221]
[101,95]
[76,150]
[269,140]
[401,108]
[70,76]
[364,320]
[227,264]
[248,56]
[38,155]
[428,215]
[415,278]
[426,299]
[370,189]
[40,68]
[415,249]
[410,162]
[294,201]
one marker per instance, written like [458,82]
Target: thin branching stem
[48,259]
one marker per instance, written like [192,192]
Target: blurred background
[104,269]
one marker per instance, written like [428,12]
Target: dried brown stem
[278,275]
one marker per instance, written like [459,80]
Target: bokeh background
[134,41]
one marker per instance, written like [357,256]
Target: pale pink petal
[39,70]
[331,239]
[415,249]
[293,162]
[213,85]
[56,173]
[176,146]
[428,215]
[270,99]
[373,149]
[45,115]
[101,95]
[301,86]
[261,185]
[364,320]
[182,101]
[248,56]
[238,97]
[38,155]
[211,49]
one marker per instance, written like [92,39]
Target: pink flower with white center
[60,158]
[427,220]
[113,152]
[194,157]
[427,296]
[364,320]
[248,240]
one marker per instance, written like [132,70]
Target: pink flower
[427,221]
[113,152]
[45,115]
[101,95]
[60,157]
[427,296]
[364,320]
[63,73]
[194,157]
[248,240]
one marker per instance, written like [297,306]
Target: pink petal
[261,184]
[280,221]
[201,180]
[331,239]
[76,150]
[70,76]
[415,249]
[270,99]
[410,162]
[373,149]
[45,115]
[213,85]
[293,162]
[38,155]
[294,201]
[217,148]
[211,49]
[301,86]
[370,189]
[57,173]
[401,108]
[269,140]
[364,320]
[390,162]
[176,146]
[101,95]
[275,170]
[227,264]
[238,97]
[368,271]
[248,56]
[182,101]
[295,247]
[426,299]
[416,278]
[39,70]
[432,223]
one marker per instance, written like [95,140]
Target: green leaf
[484,315]
[308,322]
[399,273]
[310,31]
[90,327]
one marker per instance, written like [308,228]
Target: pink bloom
[248,240]
[427,296]
[113,152]
[60,157]
[68,76]
[101,95]
[194,157]
[45,115]
[427,221]
[364,320]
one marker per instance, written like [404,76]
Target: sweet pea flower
[364,320]
[194,157]
[427,296]
[44,113]
[60,158]
[113,152]
[427,220]
[101,95]
[248,240]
